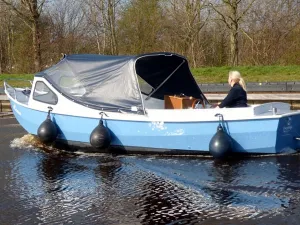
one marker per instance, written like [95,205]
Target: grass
[210,74]
[249,73]
[16,79]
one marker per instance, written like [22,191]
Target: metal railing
[12,91]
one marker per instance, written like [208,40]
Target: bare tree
[2,38]
[207,32]
[68,25]
[270,33]
[29,11]
[141,27]
[103,16]
[232,17]
[96,20]
[6,39]
[186,19]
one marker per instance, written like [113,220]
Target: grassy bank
[250,73]
[211,74]
[16,79]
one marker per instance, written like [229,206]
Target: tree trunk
[9,47]
[36,35]
[36,44]
[113,30]
[1,57]
[234,31]
[1,46]
[234,48]
[98,42]
[29,12]
[193,55]
[111,17]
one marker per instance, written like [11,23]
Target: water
[40,185]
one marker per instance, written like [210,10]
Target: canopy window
[167,74]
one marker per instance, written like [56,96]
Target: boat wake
[29,141]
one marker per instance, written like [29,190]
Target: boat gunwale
[150,118]
[275,117]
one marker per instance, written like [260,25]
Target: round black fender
[47,131]
[220,145]
[100,137]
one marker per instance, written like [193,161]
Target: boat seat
[23,96]
[153,103]
[271,108]
[26,92]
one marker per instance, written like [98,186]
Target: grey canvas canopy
[118,82]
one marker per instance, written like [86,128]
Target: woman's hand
[214,106]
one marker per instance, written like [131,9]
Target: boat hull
[257,136]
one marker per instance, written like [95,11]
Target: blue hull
[263,136]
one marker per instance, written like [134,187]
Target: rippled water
[40,185]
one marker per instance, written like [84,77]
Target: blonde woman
[237,96]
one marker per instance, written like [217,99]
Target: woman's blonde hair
[237,78]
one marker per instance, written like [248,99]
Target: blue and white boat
[134,95]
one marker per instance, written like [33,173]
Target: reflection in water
[234,190]
[289,171]
[162,204]
[107,168]
[76,184]
[54,169]
[44,187]
[224,175]
[289,182]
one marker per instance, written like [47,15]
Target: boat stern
[288,134]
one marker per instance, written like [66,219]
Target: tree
[232,17]
[3,37]
[184,22]
[103,17]
[6,39]
[68,27]
[271,33]
[141,27]
[207,32]
[29,11]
